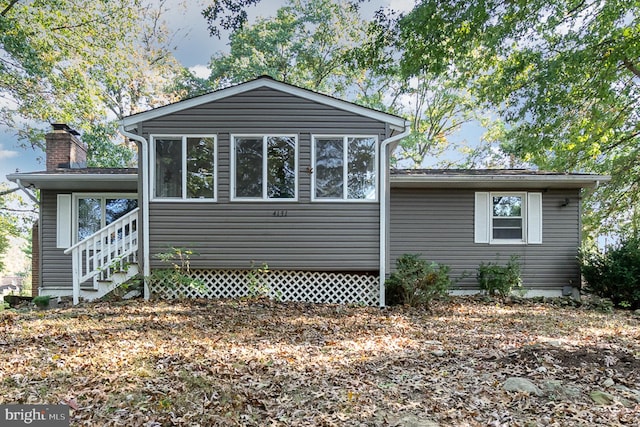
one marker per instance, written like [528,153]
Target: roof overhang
[499,181]
[77,182]
[395,123]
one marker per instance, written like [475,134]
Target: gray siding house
[268,173]
[464,217]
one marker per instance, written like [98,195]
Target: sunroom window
[265,167]
[345,167]
[185,167]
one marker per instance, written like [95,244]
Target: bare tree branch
[8,8]
[12,190]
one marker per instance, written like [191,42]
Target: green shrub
[179,275]
[257,281]
[614,273]
[416,282]
[42,301]
[494,278]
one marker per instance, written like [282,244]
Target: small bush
[42,301]
[416,282]
[257,281]
[179,276]
[494,278]
[614,273]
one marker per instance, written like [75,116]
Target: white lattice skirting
[308,286]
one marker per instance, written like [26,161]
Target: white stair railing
[106,251]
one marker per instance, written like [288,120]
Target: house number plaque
[280,213]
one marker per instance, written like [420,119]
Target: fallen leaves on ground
[259,362]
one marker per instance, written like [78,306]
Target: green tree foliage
[102,151]
[614,273]
[81,63]
[436,109]
[564,75]
[228,14]
[316,44]
[306,43]
[14,217]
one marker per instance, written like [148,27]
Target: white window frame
[183,198]
[345,171]
[264,197]
[103,196]
[531,214]
[523,217]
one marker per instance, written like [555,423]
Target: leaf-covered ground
[259,362]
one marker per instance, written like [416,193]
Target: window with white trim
[95,211]
[184,167]
[79,215]
[508,218]
[264,167]
[345,168]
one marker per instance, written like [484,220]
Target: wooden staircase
[106,259]
[98,288]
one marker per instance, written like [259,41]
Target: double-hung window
[184,167]
[264,167]
[345,168]
[508,217]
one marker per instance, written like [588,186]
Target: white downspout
[144,145]
[384,196]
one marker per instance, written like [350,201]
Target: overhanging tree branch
[12,190]
[631,67]
[8,8]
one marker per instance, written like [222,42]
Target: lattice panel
[308,286]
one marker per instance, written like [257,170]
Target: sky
[193,48]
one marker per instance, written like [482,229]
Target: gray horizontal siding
[226,234]
[56,266]
[337,237]
[439,225]
[263,110]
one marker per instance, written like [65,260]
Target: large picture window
[184,167]
[345,167]
[264,167]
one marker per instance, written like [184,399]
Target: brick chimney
[64,150]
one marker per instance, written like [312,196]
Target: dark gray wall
[439,225]
[312,236]
[56,266]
